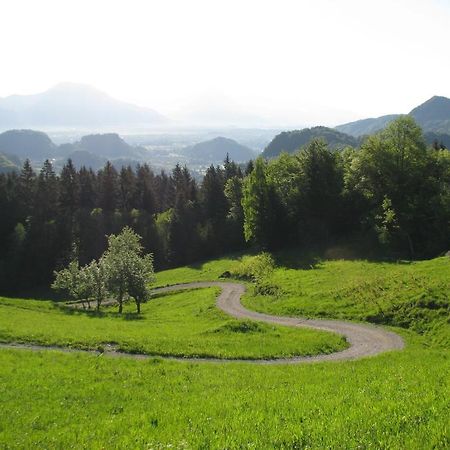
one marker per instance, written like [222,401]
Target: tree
[73,280]
[259,208]
[128,271]
[393,165]
[96,278]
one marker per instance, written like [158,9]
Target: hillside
[91,151]
[396,399]
[366,126]
[215,150]
[432,137]
[432,115]
[9,163]
[34,145]
[70,104]
[291,141]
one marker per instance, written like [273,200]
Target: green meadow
[397,400]
[184,324]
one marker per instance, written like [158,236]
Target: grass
[397,400]
[54,400]
[181,324]
[414,295]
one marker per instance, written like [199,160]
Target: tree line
[393,193]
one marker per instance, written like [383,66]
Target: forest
[391,196]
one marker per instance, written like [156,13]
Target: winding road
[364,339]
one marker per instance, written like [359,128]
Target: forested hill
[432,115]
[216,150]
[30,144]
[91,151]
[291,141]
[366,126]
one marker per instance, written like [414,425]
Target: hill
[70,104]
[431,138]
[394,400]
[432,115]
[91,151]
[215,150]
[9,163]
[34,145]
[367,126]
[109,145]
[291,141]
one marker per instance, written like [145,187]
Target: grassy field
[53,400]
[181,324]
[415,295]
[398,400]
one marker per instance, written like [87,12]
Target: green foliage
[254,268]
[259,208]
[121,271]
[73,280]
[292,141]
[400,180]
[127,271]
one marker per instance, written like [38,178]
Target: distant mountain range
[95,149]
[216,150]
[291,141]
[73,105]
[91,151]
[432,116]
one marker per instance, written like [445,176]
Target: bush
[266,288]
[254,268]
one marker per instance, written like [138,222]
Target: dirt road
[364,340]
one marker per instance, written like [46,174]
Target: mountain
[94,150]
[291,141]
[109,145]
[73,105]
[433,115]
[91,151]
[432,138]
[34,145]
[366,126]
[215,150]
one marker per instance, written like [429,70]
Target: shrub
[254,268]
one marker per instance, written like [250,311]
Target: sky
[281,62]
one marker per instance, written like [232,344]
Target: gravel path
[365,340]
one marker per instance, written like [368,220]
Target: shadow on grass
[94,314]
[311,257]
[198,265]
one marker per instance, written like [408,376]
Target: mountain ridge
[71,104]
[433,115]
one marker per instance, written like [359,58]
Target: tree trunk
[138,306]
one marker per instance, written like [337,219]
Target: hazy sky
[305,62]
